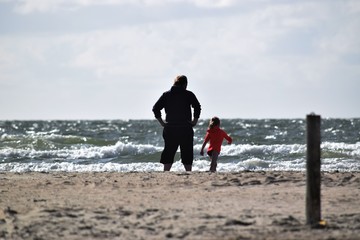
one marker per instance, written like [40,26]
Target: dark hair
[215,121]
[180,80]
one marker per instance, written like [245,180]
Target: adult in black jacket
[178,124]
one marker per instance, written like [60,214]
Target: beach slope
[174,205]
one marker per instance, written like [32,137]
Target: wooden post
[313,177]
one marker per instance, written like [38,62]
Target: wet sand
[174,205]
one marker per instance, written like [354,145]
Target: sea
[136,146]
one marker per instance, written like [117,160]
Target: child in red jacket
[216,136]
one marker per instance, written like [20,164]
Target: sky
[112,59]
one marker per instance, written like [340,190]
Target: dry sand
[174,205]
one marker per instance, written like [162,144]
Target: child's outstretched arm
[228,139]
[206,140]
[202,148]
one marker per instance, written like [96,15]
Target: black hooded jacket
[177,103]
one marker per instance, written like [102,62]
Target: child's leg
[214,158]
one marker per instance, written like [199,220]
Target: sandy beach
[174,205]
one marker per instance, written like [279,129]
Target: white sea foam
[236,157]
[351,149]
[82,152]
[199,165]
[236,150]
[126,146]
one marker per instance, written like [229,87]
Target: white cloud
[344,41]
[7,58]
[233,45]
[29,6]
[353,6]
[118,53]
[213,3]
[267,56]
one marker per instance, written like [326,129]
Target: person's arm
[157,110]
[202,148]
[206,140]
[228,138]
[194,122]
[161,121]
[197,110]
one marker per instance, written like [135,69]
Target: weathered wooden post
[313,177]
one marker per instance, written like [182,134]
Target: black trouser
[175,136]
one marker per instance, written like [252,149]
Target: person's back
[178,124]
[178,102]
[215,135]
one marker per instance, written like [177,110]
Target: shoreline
[174,205]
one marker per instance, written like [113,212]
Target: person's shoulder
[190,93]
[225,133]
[213,130]
[222,130]
[167,92]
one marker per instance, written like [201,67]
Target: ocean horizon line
[150,119]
